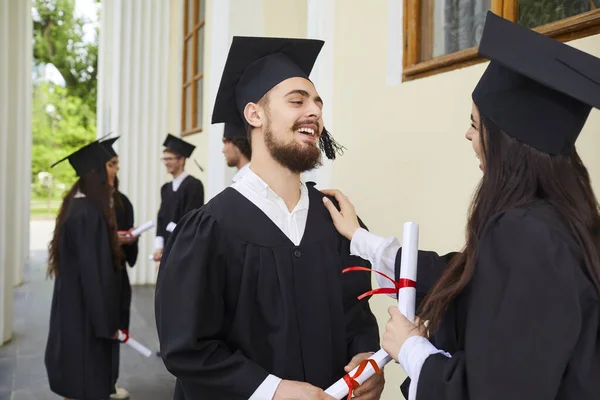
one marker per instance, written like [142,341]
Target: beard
[295,156]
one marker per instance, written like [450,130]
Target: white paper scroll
[142,228]
[140,348]
[406,305]
[171,226]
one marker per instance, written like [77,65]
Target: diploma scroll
[406,304]
[142,228]
[140,348]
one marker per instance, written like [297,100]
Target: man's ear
[252,115]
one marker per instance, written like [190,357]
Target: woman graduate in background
[84,257]
[129,246]
[516,314]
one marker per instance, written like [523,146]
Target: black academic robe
[125,219]
[175,204]
[527,326]
[83,316]
[236,300]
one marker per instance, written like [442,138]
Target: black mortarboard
[536,89]
[179,146]
[88,158]
[108,146]
[257,64]
[232,130]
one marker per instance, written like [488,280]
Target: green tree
[58,130]
[58,40]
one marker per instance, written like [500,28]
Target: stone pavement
[22,371]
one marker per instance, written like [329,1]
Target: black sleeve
[194,197]
[361,325]
[430,266]
[98,275]
[130,250]
[190,315]
[523,319]
[161,224]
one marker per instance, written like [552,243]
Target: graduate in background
[516,314]
[250,301]
[236,149]
[129,246]
[84,258]
[184,194]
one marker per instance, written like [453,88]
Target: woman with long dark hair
[84,258]
[516,314]
[129,246]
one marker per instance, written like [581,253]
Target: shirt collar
[177,181]
[238,175]
[259,186]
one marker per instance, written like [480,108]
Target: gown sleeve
[98,279]
[191,315]
[361,325]
[131,250]
[523,319]
[160,220]
[194,197]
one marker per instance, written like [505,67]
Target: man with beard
[251,302]
[236,149]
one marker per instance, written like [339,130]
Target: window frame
[192,83]
[575,27]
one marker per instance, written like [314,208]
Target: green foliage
[58,40]
[58,130]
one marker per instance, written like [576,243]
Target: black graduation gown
[527,326]
[175,204]
[83,315]
[236,300]
[125,219]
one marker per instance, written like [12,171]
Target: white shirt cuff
[412,356]
[159,242]
[267,389]
[381,253]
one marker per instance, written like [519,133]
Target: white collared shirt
[177,181]
[292,224]
[238,175]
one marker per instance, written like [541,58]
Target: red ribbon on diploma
[350,380]
[126,332]
[402,283]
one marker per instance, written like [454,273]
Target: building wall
[407,158]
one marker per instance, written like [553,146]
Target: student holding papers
[516,314]
[84,261]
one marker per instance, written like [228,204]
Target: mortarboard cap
[257,64]
[88,158]
[108,143]
[233,130]
[536,89]
[179,146]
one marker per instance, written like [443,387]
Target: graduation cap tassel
[329,146]
[198,165]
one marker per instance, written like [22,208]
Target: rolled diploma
[140,348]
[142,228]
[406,305]
[171,226]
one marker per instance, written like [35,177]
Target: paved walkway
[22,371]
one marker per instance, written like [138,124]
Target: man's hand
[372,388]
[157,254]
[293,390]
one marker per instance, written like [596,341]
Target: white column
[321,25]
[15,147]
[132,87]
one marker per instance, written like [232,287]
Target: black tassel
[329,146]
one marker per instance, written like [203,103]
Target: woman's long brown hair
[97,193]
[517,174]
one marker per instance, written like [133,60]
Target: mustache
[298,124]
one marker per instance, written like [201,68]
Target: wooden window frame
[193,35]
[576,27]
